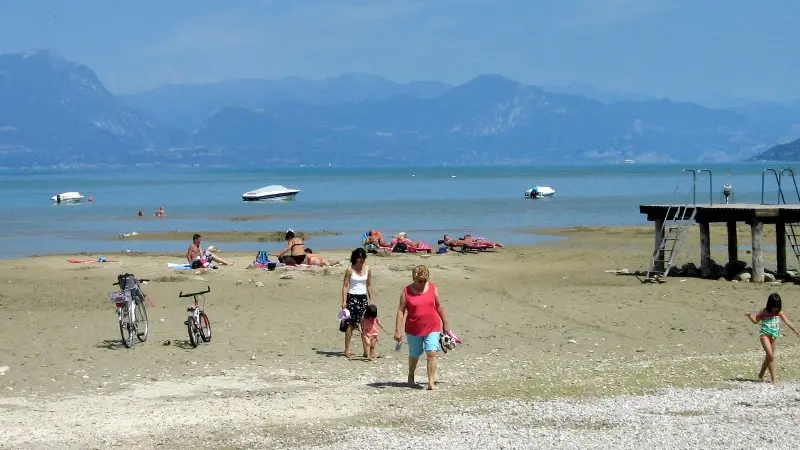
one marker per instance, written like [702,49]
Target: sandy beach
[558,353]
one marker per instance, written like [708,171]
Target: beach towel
[179,266]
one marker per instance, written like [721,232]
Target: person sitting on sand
[200,259]
[296,249]
[316,260]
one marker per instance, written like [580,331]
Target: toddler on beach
[770,328]
[369,330]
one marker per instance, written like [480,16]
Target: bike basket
[119,296]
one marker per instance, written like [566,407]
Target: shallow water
[424,202]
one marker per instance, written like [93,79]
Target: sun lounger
[464,248]
[372,247]
[422,248]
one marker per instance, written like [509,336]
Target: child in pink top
[369,330]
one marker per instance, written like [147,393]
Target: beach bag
[400,247]
[262,259]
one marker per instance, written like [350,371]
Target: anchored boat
[539,192]
[274,191]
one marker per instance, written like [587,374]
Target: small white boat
[67,197]
[539,192]
[273,191]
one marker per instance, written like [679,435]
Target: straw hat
[402,234]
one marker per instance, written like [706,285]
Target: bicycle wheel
[141,321]
[194,335]
[125,329]
[205,327]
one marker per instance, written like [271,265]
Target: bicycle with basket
[131,311]
[197,323]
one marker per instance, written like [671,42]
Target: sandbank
[222,236]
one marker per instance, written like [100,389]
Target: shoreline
[579,234]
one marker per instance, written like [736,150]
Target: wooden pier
[755,215]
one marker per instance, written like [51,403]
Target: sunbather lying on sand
[316,260]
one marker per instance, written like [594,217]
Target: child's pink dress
[369,327]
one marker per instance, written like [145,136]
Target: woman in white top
[356,294]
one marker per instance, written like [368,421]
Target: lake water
[424,202]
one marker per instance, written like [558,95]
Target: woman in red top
[423,324]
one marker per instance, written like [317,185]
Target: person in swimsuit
[316,260]
[376,237]
[356,295]
[403,237]
[425,320]
[198,259]
[296,249]
[770,328]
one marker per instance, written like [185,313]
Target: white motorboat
[67,197]
[539,192]
[274,191]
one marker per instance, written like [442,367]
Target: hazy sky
[683,49]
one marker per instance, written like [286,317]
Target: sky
[696,50]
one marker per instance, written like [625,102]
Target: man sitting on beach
[199,259]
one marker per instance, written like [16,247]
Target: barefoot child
[770,327]
[369,330]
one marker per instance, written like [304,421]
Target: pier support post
[733,242]
[780,244]
[705,249]
[757,230]
[658,250]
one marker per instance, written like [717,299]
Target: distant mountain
[56,112]
[487,120]
[185,106]
[781,119]
[601,95]
[53,111]
[789,151]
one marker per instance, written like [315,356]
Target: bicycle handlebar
[208,289]
[138,280]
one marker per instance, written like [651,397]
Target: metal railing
[695,172]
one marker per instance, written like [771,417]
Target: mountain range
[57,112]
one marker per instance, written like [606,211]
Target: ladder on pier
[677,223]
[792,229]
